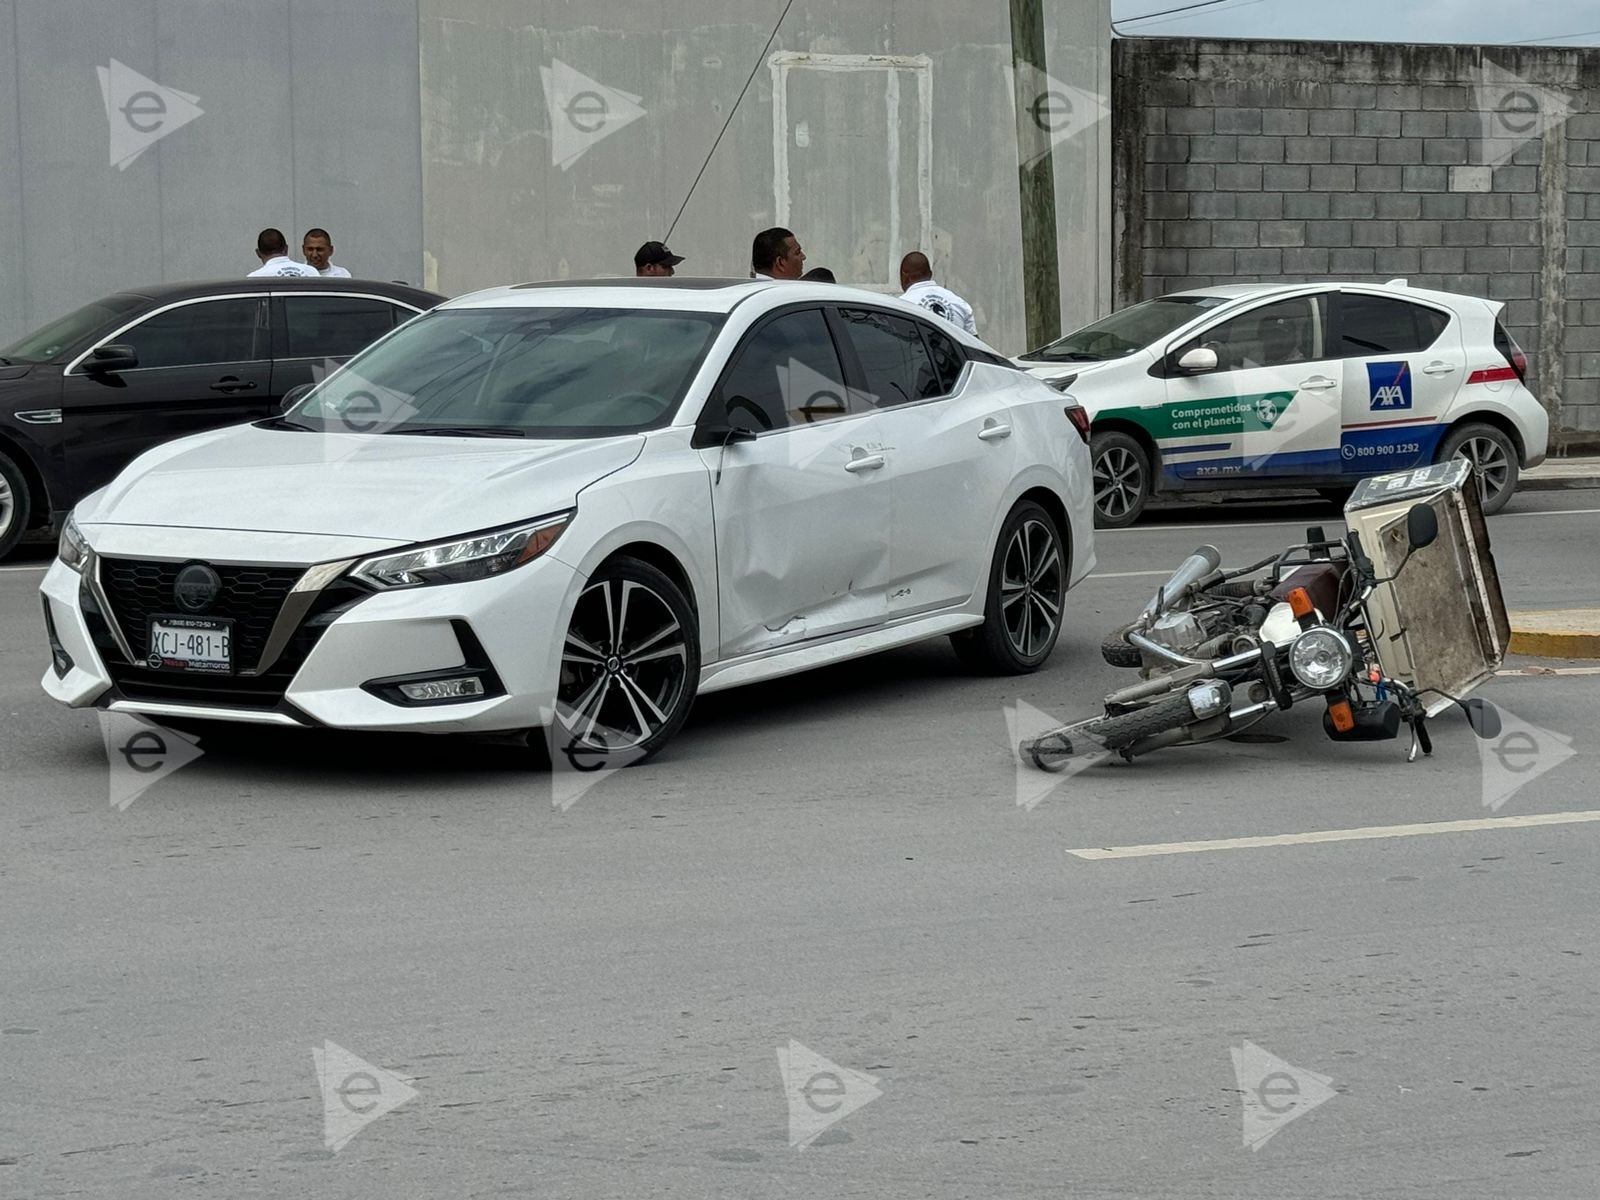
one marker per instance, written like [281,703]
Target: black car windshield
[1126,331]
[516,372]
[59,337]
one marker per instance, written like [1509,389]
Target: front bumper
[509,624]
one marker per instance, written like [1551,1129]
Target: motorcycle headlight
[1321,658]
[476,557]
[72,550]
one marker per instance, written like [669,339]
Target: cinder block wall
[1238,161]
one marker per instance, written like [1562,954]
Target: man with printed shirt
[272,248]
[919,286]
[317,249]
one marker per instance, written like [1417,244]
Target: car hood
[391,487]
[1060,370]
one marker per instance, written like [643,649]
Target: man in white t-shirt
[317,249]
[916,278]
[272,248]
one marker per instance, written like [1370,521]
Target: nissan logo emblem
[196,588]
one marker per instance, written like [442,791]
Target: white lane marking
[46,567]
[1329,522]
[1518,673]
[1125,574]
[1338,835]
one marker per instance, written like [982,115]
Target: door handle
[1318,383]
[864,462]
[1438,368]
[231,383]
[994,432]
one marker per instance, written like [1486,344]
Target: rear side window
[894,361]
[334,326]
[213,331]
[947,358]
[1381,325]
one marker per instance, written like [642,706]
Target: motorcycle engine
[1178,631]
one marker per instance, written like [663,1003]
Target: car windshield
[1126,331]
[62,334]
[516,372]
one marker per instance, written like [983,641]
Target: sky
[1473,22]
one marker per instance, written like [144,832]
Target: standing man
[653,259]
[916,278]
[317,247]
[272,248]
[775,254]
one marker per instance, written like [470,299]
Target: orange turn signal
[1343,719]
[1300,603]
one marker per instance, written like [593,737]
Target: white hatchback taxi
[1296,386]
[575,506]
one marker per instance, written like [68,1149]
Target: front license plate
[199,644]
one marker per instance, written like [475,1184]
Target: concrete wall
[1243,161]
[310,117]
[865,158]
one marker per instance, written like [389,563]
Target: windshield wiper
[464,430]
[1075,356]
[284,423]
[6,362]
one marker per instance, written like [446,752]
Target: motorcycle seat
[1321,580]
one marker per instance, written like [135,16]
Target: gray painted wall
[1241,161]
[812,146]
[310,117]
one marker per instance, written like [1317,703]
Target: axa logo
[1389,385]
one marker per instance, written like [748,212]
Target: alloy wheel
[1118,482]
[1032,584]
[1489,464]
[8,507]
[624,667]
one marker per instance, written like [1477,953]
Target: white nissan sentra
[573,507]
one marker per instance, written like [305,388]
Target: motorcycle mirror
[1483,717]
[1422,526]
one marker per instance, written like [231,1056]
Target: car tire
[630,665]
[1493,458]
[16,504]
[1122,481]
[1025,597]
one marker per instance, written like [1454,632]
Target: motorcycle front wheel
[1056,750]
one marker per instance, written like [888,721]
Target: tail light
[1079,416]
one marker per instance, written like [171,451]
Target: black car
[84,395]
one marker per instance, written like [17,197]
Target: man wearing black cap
[653,259]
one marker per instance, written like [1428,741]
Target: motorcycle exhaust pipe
[1197,566]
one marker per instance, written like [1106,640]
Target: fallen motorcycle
[1386,627]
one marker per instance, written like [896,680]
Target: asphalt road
[588,980]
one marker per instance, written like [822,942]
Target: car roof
[1398,287]
[673,293]
[195,288]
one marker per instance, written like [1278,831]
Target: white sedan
[1299,386]
[575,506]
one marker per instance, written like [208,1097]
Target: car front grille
[251,597]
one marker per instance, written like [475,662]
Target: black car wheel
[1122,482]
[15,504]
[1493,459]
[629,667]
[1027,592]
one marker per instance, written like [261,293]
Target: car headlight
[72,550]
[1321,658]
[475,557]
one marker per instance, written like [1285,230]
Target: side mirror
[105,360]
[708,437]
[293,396]
[1422,526]
[1197,361]
[1484,718]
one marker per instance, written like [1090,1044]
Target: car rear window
[1382,325]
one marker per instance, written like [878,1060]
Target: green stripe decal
[1223,415]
